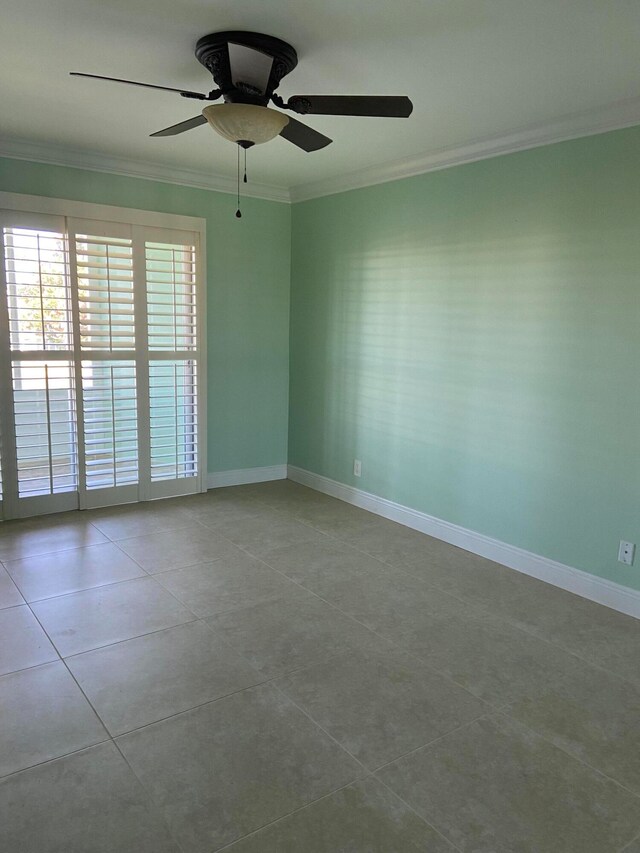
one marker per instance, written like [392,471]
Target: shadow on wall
[475,377]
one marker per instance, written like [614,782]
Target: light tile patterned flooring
[264,669]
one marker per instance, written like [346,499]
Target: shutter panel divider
[142,362]
[75,314]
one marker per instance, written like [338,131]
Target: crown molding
[616,116]
[19,149]
[589,123]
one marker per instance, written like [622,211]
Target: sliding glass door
[100,368]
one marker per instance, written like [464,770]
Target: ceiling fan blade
[185,92]
[391,106]
[303,136]
[181,126]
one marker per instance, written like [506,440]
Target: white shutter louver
[110,423]
[171,329]
[171,297]
[104,268]
[45,427]
[174,423]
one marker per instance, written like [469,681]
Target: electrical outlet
[357,467]
[626,552]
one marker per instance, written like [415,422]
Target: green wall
[247,300]
[473,336]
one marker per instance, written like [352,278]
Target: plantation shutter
[38,406]
[99,361]
[170,274]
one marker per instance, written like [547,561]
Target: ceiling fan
[247,69]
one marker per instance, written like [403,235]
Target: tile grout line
[202,619]
[577,758]
[191,523]
[80,749]
[418,815]
[629,843]
[127,639]
[106,645]
[49,553]
[114,642]
[57,758]
[534,731]
[375,633]
[538,734]
[480,608]
[76,591]
[153,809]
[186,710]
[114,737]
[114,542]
[109,541]
[431,743]
[147,574]
[33,665]
[373,772]
[289,814]
[88,701]
[485,610]
[323,730]
[281,817]
[4,560]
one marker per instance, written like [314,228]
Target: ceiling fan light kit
[245,124]
[247,69]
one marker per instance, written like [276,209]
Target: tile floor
[264,669]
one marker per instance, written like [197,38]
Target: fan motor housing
[212,51]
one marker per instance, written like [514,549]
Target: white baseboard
[244,476]
[574,580]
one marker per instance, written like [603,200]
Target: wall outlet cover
[626,552]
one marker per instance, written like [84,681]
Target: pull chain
[245,165]
[238,214]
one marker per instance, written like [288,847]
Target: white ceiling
[476,70]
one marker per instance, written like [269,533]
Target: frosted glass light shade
[245,122]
